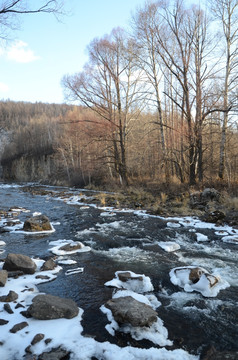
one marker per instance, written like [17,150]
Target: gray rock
[47,307]
[195,274]
[48,265]
[128,310]
[55,354]
[210,194]
[37,338]
[3,322]
[18,327]
[11,296]
[15,262]
[15,274]
[28,350]
[125,276]
[43,277]
[200,200]
[19,305]
[8,309]
[37,223]
[3,277]
[71,247]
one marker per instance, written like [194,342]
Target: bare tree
[11,10]
[226,12]
[184,47]
[146,23]
[109,85]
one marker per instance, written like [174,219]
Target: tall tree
[226,12]
[146,22]
[184,47]
[109,85]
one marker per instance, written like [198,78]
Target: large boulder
[200,199]
[215,216]
[15,262]
[47,307]
[210,194]
[128,310]
[37,223]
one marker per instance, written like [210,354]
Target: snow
[173,224]
[232,239]
[63,261]
[169,246]
[112,225]
[208,285]
[221,233]
[202,237]
[74,271]
[36,213]
[107,213]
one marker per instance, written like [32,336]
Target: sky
[43,50]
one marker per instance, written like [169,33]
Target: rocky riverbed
[110,283]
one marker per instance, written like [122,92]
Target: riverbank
[216,206]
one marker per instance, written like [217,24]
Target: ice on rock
[193,278]
[232,239]
[135,285]
[130,281]
[65,247]
[148,299]
[169,246]
[173,224]
[201,237]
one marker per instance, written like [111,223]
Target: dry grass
[229,202]
[165,199]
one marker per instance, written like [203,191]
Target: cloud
[4,87]
[20,52]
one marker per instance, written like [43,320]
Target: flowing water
[128,240]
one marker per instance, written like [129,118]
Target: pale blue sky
[44,50]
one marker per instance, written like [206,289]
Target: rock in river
[19,262]
[37,223]
[128,310]
[48,265]
[47,307]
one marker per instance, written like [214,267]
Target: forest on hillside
[156,103]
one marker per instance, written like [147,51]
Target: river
[130,240]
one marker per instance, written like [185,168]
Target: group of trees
[157,101]
[175,65]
